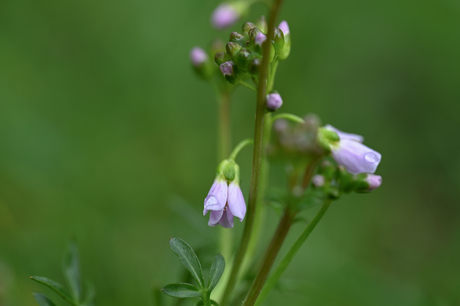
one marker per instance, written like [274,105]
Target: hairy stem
[257,154]
[275,276]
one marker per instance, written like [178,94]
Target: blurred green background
[104,129]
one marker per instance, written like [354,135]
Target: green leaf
[90,294]
[214,303]
[56,287]
[181,290]
[42,299]
[217,269]
[71,269]
[188,258]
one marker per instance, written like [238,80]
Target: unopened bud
[367,182]
[284,53]
[254,65]
[247,27]
[262,24]
[278,41]
[198,56]
[253,33]
[228,70]
[237,38]
[233,49]
[221,57]
[227,14]
[260,38]
[201,63]
[274,101]
[318,180]
[243,58]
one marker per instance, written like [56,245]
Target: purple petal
[215,217]
[260,38]
[284,27]
[224,16]
[217,196]
[227,68]
[343,135]
[356,157]
[227,219]
[274,101]
[236,203]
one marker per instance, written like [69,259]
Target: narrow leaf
[72,270]
[55,286]
[181,290]
[217,269]
[42,299]
[90,294]
[188,258]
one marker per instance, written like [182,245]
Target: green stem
[239,147]
[257,154]
[206,299]
[291,117]
[269,258]
[247,85]
[275,276]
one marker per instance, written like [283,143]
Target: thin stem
[291,117]
[275,276]
[247,85]
[257,154]
[240,146]
[269,258]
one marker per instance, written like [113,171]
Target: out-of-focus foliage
[104,130]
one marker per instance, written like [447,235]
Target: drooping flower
[224,200]
[352,154]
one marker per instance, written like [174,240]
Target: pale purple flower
[352,154]
[284,27]
[227,68]
[374,181]
[225,202]
[274,101]
[224,16]
[260,38]
[343,135]
[198,56]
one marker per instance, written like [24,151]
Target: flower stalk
[257,154]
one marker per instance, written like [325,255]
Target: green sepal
[233,49]
[188,259]
[286,47]
[237,38]
[327,138]
[56,287]
[181,290]
[42,299]
[278,41]
[261,23]
[217,269]
[221,57]
[71,267]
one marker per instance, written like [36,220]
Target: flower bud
[274,101]
[226,14]
[237,38]
[254,66]
[233,49]
[201,63]
[367,182]
[221,57]
[318,180]
[253,33]
[261,23]
[243,58]
[260,38]
[284,53]
[228,70]
[247,26]
[278,41]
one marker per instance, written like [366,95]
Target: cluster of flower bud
[243,53]
[336,180]
[295,142]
